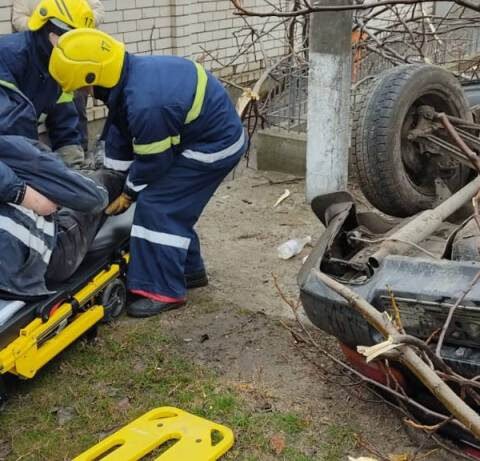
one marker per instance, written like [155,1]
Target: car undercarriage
[415,254]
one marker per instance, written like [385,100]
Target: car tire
[384,111]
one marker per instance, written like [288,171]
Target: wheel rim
[114,299]
[421,170]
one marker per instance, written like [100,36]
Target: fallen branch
[308,339]
[284,181]
[437,362]
[362,443]
[407,355]
[434,428]
[399,396]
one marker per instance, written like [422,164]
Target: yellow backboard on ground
[172,433]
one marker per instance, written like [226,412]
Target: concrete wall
[204,30]
[279,150]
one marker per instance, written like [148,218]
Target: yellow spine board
[193,436]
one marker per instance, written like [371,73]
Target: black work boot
[196,279]
[146,307]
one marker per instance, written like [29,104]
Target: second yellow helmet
[73,13]
[86,57]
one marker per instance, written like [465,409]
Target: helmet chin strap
[60,26]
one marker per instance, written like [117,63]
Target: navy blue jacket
[26,239]
[164,106]
[27,91]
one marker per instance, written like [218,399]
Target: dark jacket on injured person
[26,239]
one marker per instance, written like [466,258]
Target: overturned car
[415,145]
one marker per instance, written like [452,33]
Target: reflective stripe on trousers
[165,245]
[160,238]
[212,157]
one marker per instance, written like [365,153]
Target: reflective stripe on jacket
[165,106]
[26,239]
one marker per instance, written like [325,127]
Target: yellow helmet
[73,13]
[85,57]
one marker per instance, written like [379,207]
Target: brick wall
[205,30]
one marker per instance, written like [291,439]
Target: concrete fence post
[328,135]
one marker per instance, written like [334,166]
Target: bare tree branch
[358,6]
[455,405]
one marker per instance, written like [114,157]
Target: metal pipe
[451,150]
[473,157]
[470,139]
[424,224]
[463,123]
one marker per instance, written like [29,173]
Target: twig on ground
[423,427]
[284,181]
[447,447]
[365,444]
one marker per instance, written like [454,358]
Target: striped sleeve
[118,150]
[156,136]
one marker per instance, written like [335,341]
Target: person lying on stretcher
[49,215]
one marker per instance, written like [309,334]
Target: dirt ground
[229,355]
[240,231]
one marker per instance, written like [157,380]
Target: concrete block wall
[204,30]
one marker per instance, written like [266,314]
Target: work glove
[73,156]
[119,205]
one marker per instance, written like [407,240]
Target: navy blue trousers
[164,245]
